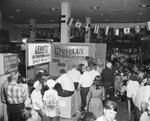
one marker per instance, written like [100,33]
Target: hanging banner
[71,51]
[38,53]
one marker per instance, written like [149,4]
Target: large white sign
[38,53]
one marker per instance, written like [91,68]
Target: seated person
[86,116]
[28,114]
[64,86]
[110,111]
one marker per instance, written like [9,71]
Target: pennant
[106,30]
[137,29]
[70,21]
[126,31]
[96,29]
[116,32]
[63,18]
[78,24]
[87,27]
[148,26]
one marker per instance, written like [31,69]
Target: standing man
[85,82]
[16,96]
[108,79]
[74,74]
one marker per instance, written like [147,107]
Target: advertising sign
[38,53]
[71,51]
[10,63]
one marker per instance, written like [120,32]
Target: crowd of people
[99,89]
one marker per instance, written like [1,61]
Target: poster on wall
[10,63]
[38,53]
[72,54]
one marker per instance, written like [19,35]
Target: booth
[9,63]
[64,56]
[38,56]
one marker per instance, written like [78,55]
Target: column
[65,29]
[32,29]
[88,34]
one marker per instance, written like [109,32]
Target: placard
[72,52]
[38,53]
[10,63]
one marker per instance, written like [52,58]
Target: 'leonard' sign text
[38,53]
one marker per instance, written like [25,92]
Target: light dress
[94,99]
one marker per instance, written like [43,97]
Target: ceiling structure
[49,11]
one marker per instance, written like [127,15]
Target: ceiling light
[119,10]
[101,14]
[51,20]
[18,10]
[53,9]
[143,6]
[11,16]
[94,8]
[140,14]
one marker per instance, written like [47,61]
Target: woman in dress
[95,97]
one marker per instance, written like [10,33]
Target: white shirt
[94,74]
[143,94]
[86,79]
[132,88]
[36,96]
[50,97]
[66,82]
[74,75]
[102,119]
[144,117]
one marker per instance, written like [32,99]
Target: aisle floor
[121,115]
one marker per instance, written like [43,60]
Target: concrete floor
[121,115]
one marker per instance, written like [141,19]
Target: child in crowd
[86,116]
[28,114]
[51,101]
[110,111]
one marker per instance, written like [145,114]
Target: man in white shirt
[141,100]
[94,73]
[64,86]
[74,74]
[85,82]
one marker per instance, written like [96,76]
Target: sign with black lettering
[10,63]
[38,53]
[71,51]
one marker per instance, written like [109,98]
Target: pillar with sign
[32,29]
[87,30]
[65,29]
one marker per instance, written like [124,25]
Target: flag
[116,32]
[70,21]
[96,29]
[148,26]
[106,30]
[126,31]
[137,29]
[78,24]
[87,27]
